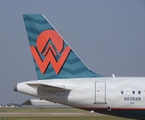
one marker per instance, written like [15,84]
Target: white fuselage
[118,93]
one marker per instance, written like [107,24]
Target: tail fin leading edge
[53,57]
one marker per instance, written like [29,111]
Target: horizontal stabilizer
[49,88]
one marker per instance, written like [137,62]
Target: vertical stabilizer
[53,57]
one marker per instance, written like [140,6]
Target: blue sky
[109,36]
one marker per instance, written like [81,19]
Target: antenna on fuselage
[113,75]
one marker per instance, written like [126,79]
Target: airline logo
[49,44]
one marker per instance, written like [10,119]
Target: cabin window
[133,92]
[122,92]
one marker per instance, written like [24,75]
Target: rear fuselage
[93,93]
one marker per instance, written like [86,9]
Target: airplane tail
[53,57]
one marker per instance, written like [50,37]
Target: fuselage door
[100,92]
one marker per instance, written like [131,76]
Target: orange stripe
[47,49]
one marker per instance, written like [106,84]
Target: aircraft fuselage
[127,93]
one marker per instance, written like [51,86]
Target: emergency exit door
[100,92]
